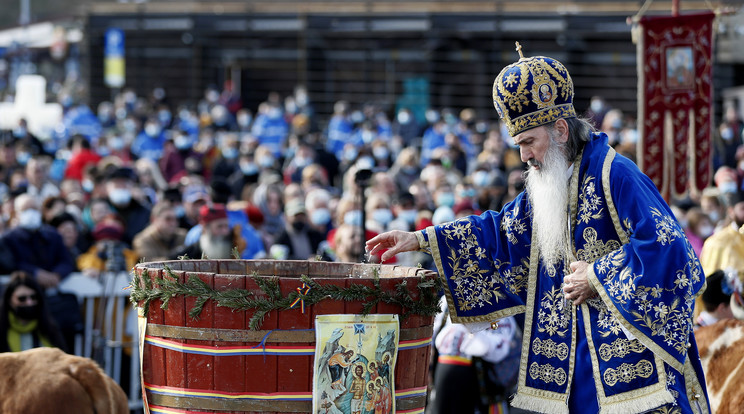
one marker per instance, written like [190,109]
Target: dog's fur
[722,355]
[46,380]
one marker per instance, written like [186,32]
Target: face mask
[182,142]
[469,192]
[596,105]
[152,130]
[230,153]
[116,143]
[446,199]
[350,154]
[382,216]
[130,125]
[365,162]
[23,157]
[30,219]
[432,116]
[164,117]
[27,312]
[368,136]
[19,132]
[320,217]
[409,169]
[705,231]
[244,120]
[404,118]
[727,134]
[353,217]
[249,168]
[380,153]
[714,216]
[120,196]
[298,225]
[727,187]
[87,185]
[408,215]
[266,162]
[302,161]
[274,113]
[104,151]
[481,178]
[180,211]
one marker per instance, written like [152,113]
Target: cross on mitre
[30,104]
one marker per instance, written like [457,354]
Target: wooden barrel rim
[234,335]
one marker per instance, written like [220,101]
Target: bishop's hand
[395,241]
[576,286]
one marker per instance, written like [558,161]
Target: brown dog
[46,380]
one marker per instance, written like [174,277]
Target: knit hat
[108,229]
[210,213]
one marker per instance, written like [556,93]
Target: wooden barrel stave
[270,373]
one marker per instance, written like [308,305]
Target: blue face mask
[320,217]
[727,187]
[382,216]
[230,153]
[180,211]
[409,216]
[353,217]
[446,199]
[249,168]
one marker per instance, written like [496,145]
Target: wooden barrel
[211,351]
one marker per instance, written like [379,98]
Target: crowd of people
[144,179]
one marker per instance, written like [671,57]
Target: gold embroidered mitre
[533,91]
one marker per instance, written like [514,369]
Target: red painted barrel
[216,363]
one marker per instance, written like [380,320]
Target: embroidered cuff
[423,241]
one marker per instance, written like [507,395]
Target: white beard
[215,248]
[547,189]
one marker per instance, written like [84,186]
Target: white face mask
[382,216]
[705,231]
[120,196]
[353,217]
[30,219]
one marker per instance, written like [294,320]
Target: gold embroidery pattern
[628,372]
[667,409]
[513,277]
[547,373]
[607,323]
[590,205]
[628,227]
[667,229]
[593,248]
[540,117]
[511,224]
[554,315]
[477,286]
[550,349]
[620,348]
[424,245]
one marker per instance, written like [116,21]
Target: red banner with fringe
[675,97]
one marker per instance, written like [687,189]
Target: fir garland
[143,290]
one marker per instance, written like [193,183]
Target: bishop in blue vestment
[590,252]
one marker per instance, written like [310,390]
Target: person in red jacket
[82,156]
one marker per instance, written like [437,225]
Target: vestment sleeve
[650,282]
[484,262]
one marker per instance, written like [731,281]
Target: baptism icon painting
[354,364]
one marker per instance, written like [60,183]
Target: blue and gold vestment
[630,349]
